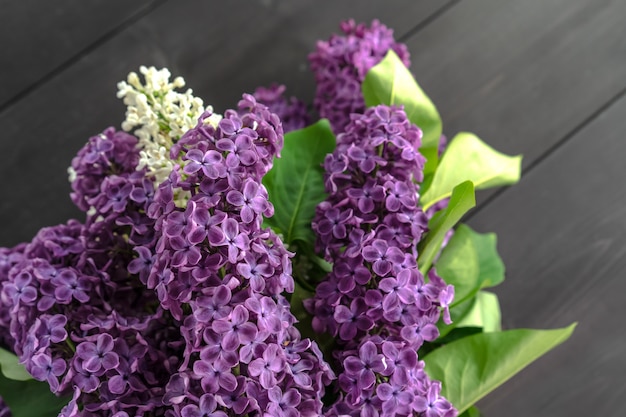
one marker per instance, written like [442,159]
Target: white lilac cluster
[159,115]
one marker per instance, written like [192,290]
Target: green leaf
[471,412]
[472,367]
[390,82]
[469,158]
[470,261]
[30,398]
[484,312]
[461,201]
[11,368]
[296,182]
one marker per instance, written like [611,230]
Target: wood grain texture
[39,36]
[562,236]
[522,74]
[221,48]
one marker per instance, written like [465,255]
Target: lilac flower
[364,365]
[419,332]
[221,275]
[249,201]
[395,399]
[209,162]
[105,154]
[85,380]
[83,295]
[334,223]
[367,195]
[69,285]
[433,405]
[124,379]
[268,366]
[142,265]
[236,398]
[341,63]
[99,355]
[19,290]
[352,319]
[44,368]
[215,307]
[51,329]
[215,376]
[206,408]
[382,256]
[400,360]
[232,238]
[283,404]
[375,298]
[236,330]
[176,390]
[265,309]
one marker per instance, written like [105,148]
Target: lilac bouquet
[253,263]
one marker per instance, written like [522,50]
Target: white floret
[159,115]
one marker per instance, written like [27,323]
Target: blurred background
[544,78]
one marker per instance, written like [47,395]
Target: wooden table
[542,78]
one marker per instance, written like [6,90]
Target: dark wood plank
[222,49]
[562,236]
[522,74]
[274,47]
[38,36]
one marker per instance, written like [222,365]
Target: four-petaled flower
[99,355]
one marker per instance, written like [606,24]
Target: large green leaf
[469,158]
[461,201]
[296,182]
[472,367]
[30,398]
[484,312]
[390,82]
[470,261]
[480,311]
[471,412]
[11,368]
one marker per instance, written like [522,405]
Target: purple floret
[341,63]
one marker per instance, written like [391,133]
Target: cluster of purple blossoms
[291,111]
[9,257]
[341,63]
[222,276]
[375,302]
[78,315]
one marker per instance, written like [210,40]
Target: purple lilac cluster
[222,275]
[341,63]
[9,257]
[375,302]
[291,111]
[78,314]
